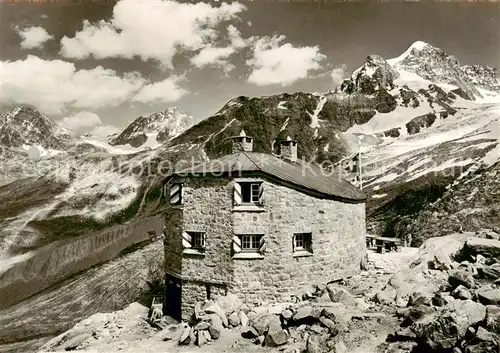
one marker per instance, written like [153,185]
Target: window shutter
[236,244]
[293,242]
[261,193]
[237,194]
[186,240]
[262,244]
[176,194]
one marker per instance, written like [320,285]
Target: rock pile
[210,318]
[312,325]
[464,314]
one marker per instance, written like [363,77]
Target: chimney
[242,143]
[289,149]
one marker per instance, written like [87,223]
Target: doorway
[173,290]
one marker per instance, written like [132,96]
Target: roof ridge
[251,160]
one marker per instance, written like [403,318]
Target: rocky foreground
[443,297]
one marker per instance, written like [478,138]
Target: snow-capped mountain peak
[413,49]
[375,74]
[421,65]
[161,126]
[24,125]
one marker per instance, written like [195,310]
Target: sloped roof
[304,176]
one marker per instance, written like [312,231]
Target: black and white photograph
[247,176]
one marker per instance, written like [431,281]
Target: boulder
[229,303]
[417,276]
[214,308]
[243,318]
[317,343]
[185,336]
[249,332]
[489,272]
[295,334]
[266,323]
[339,315]
[483,347]
[201,338]
[414,313]
[172,332]
[491,296]
[461,293]
[361,305]
[493,318]
[485,247]
[198,311]
[245,309]
[286,314]
[260,340]
[203,325]
[329,324]
[234,319]
[418,298]
[441,299]
[440,262]
[442,329]
[306,315]
[317,328]
[387,296]
[324,298]
[483,335]
[308,292]
[275,338]
[460,277]
[339,294]
[192,337]
[215,327]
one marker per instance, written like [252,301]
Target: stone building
[258,225]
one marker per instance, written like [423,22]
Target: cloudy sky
[98,65]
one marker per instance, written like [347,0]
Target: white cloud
[56,86]
[276,63]
[150,30]
[81,121]
[34,37]
[87,122]
[167,90]
[104,130]
[338,74]
[219,56]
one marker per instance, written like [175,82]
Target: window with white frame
[248,193]
[302,242]
[197,240]
[250,242]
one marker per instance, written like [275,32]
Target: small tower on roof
[242,143]
[289,149]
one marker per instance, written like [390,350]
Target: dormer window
[248,193]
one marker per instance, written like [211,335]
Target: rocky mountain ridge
[26,126]
[160,126]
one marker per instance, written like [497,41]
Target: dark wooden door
[173,292]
